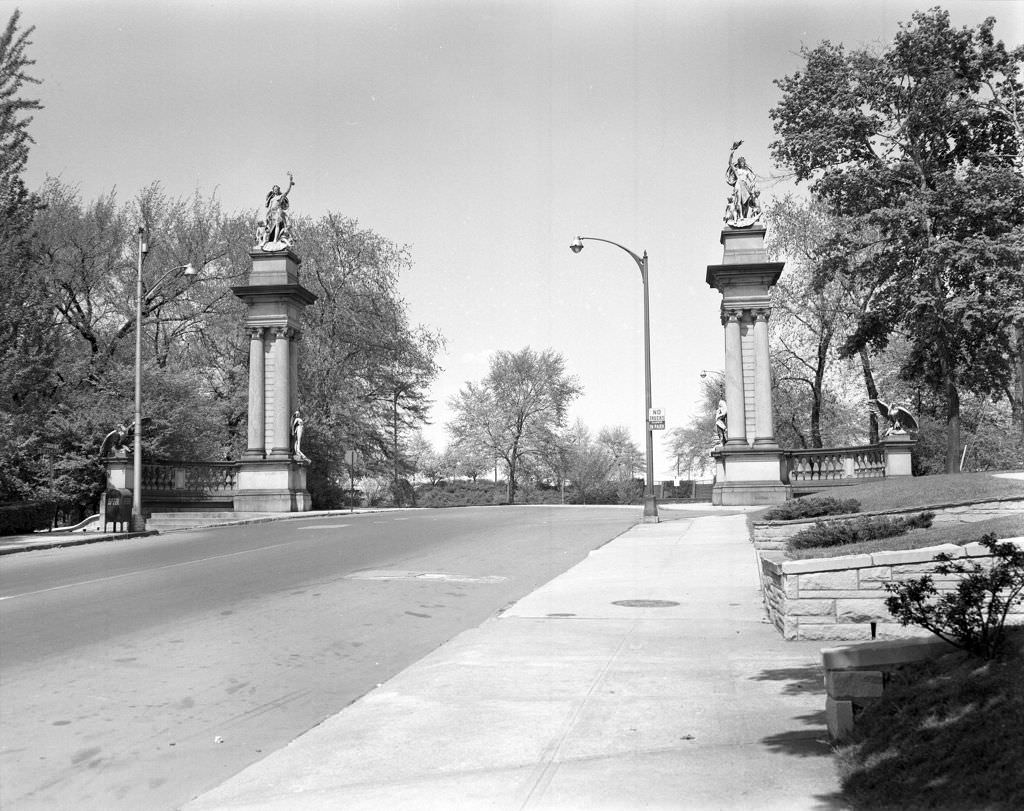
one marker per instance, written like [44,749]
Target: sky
[483,135]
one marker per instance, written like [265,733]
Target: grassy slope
[928,491]
[947,734]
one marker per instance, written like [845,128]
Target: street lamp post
[138,523]
[650,500]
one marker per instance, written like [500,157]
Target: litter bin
[117,508]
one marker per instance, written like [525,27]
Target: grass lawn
[923,492]
[945,735]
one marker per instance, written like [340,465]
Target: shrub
[811,508]
[841,533]
[973,616]
[28,516]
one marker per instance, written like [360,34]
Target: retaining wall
[843,598]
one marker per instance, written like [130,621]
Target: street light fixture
[650,500]
[138,523]
[705,372]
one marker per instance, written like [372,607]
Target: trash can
[117,508]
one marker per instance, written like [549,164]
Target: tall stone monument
[749,463]
[272,475]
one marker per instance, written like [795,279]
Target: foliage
[944,735]
[865,528]
[628,460]
[796,508]
[513,411]
[973,616]
[26,517]
[461,494]
[692,444]
[918,148]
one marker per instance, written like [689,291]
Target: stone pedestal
[749,465]
[271,477]
[897,449]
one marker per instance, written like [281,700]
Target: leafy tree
[524,395]
[628,460]
[919,148]
[691,444]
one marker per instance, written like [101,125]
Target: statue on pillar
[722,422]
[274,232]
[899,417]
[744,209]
[297,428]
[118,442]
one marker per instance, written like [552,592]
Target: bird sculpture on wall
[899,417]
[118,440]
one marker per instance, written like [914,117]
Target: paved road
[136,674]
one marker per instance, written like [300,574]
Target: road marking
[327,526]
[398,574]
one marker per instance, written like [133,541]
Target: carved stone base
[272,485]
[749,476]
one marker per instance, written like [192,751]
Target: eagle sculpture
[118,440]
[900,419]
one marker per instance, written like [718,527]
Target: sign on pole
[655,419]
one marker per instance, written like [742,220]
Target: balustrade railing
[206,478]
[835,464]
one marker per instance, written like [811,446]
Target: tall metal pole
[138,522]
[650,502]
[650,515]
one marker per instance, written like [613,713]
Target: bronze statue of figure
[274,229]
[745,208]
[722,422]
[298,425]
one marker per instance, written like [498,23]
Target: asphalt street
[139,673]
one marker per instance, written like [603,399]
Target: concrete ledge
[877,655]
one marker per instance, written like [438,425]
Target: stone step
[194,519]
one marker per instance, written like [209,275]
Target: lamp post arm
[167,274]
[639,260]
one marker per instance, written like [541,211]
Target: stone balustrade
[835,465]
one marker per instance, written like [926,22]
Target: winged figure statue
[900,419]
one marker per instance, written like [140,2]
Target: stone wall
[843,598]
[769,535]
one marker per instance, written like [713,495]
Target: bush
[28,516]
[973,616]
[811,508]
[841,533]
[460,494]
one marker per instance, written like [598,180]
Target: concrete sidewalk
[680,698]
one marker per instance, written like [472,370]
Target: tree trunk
[869,384]
[1017,398]
[952,426]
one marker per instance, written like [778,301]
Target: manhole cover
[645,603]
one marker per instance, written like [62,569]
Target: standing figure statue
[722,422]
[273,234]
[297,427]
[745,207]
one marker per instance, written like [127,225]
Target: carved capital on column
[730,316]
[283,333]
[256,333]
[762,314]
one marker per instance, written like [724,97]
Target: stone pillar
[269,478]
[749,470]
[281,447]
[764,434]
[257,396]
[736,421]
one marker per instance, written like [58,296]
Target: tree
[627,458]
[919,148]
[525,394]
[692,444]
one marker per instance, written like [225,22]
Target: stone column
[764,433]
[293,396]
[282,393]
[736,421]
[257,395]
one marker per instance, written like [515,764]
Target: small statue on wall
[899,417]
[744,208]
[274,232]
[722,422]
[118,442]
[298,425]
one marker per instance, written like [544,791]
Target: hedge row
[26,516]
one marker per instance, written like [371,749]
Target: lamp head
[190,270]
[576,246]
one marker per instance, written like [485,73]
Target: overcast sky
[484,135]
